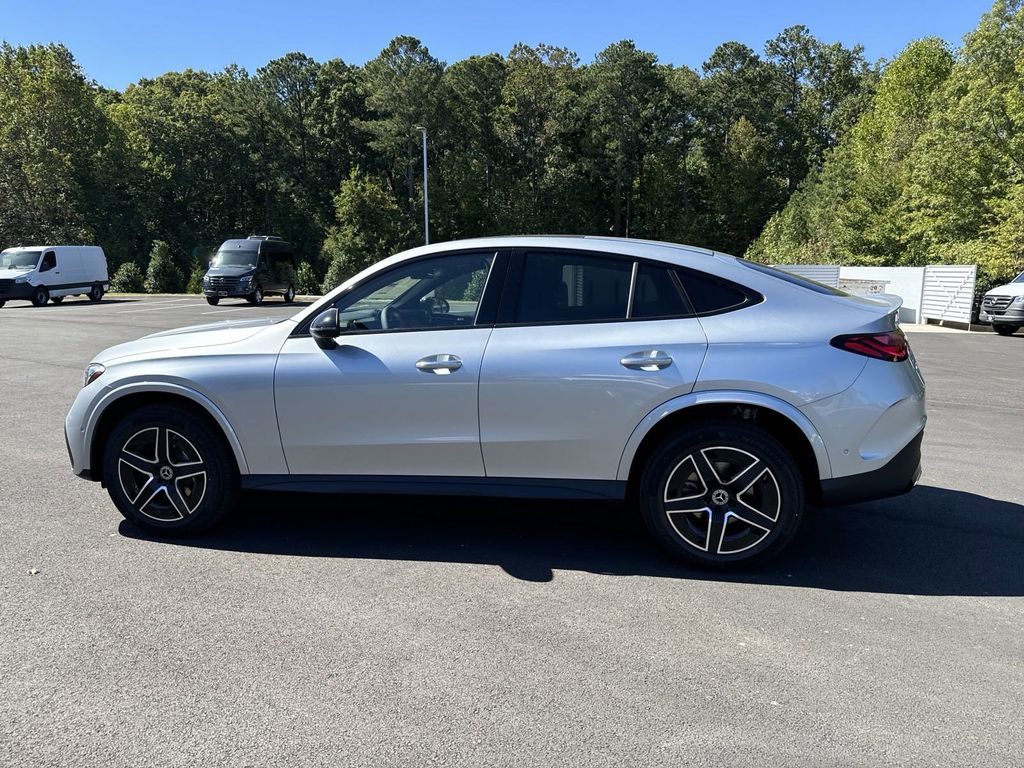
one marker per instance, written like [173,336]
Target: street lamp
[426,196]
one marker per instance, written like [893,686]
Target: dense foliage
[327,154]
[933,171]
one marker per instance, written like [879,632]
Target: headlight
[1020,299]
[22,279]
[246,279]
[92,372]
[206,278]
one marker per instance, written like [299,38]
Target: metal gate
[827,274]
[949,292]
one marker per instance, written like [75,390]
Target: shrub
[305,280]
[162,275]
[195,280]
[128,279]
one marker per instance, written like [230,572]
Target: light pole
[426,196]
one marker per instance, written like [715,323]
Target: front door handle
[648,360]
[442,365]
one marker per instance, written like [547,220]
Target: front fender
[725,397]
[165,387]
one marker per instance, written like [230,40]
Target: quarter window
[709,295]
[571,287]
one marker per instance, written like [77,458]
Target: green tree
[162,274]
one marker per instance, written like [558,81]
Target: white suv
[716,395]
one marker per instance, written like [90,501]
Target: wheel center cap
[166,473]
[720,497]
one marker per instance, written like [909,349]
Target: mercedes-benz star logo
[166,473]
[719,497]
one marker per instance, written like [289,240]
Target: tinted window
[709,294]
[426,294]
[49,261]
[569,287]
[657,294]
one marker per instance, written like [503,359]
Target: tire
[182,455]
[2,304]
[719,520]
[56,299]
[213,301]
[256,297]
[1005,330]
[96,293]
[40,296]
[289,295]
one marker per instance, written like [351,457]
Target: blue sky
[119,42]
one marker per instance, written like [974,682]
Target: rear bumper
[895,478]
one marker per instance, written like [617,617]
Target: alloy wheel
[162,474]
[722,500]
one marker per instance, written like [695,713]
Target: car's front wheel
[213,301]
[722,494]
[289,295]
[256,297]
[1005,330]
[40,296]
[168,470]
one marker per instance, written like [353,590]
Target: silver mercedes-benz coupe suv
[716,395]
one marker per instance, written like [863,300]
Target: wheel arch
[122,401]
[780,419]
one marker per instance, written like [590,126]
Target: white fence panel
[948,292]
[828,274]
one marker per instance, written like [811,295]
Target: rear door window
[657,294]
[566,287]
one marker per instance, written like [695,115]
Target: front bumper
[896,477]
[229,291]
[1010,316]
[17,292]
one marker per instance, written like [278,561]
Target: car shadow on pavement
[932,541]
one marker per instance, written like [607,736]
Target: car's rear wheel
[289,295]
[96,293]
[1005,330]
[56,299]
[213,301]
[40,296]
[722,495]
[168,470]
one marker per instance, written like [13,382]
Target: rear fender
[725,397]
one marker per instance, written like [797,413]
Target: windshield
[1019,278]
[19,259]
[234,258]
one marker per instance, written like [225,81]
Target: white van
[1003,306]
[42,273]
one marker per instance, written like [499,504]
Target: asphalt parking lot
[398,631]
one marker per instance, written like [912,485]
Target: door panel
[562,400]
[367,408]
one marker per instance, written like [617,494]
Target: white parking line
[149,308]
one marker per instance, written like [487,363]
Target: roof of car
[621,245]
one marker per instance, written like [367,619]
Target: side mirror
[324,329]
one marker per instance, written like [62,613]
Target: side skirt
[515,487]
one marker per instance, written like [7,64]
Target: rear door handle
[442,365]
[648,360]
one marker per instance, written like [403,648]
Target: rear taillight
[891,345]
